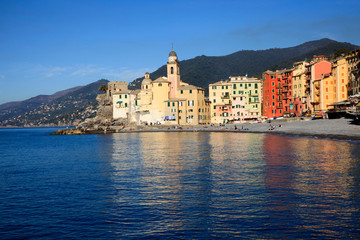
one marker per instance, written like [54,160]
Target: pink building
[316,70]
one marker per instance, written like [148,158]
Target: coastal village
[317,88]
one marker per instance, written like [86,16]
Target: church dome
[172,54]
[146,81]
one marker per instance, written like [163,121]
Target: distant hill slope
[203,70]
[61,108]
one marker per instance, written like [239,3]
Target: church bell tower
[173,73]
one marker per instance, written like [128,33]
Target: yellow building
[237,99]
[166,100]
[299,79]
[341,78]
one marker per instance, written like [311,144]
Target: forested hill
[203,70]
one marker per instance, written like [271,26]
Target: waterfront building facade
[236,99]
[272,94]
[298,88]
[166,100]
[317,69]
[353,61]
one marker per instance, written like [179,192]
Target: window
[214,107]
[214,101]
[168,104]
[180,104]
[160,85]
[125,95]
[222,87]
[120,96]
[181,91]
[256,86]
[234,86]
[173,104]
[172,70]
[125,103]
[191,102]
[190,91]
[234,92]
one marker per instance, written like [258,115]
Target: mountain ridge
[204,70]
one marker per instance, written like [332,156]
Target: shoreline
[340,129]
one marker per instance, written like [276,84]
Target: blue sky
[51,45]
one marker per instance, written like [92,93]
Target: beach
[343,129]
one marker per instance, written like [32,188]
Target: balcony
[225,97]
[285,97]
[285,90]
[278,87]
[279,106]
[279,92]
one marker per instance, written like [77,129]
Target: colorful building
[298,88]
[166,100]
[353,61]
[237,99]
[272,94]
[317,69]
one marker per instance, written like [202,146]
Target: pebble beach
[343,129]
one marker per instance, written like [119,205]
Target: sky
[51,45]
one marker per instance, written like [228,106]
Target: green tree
[103,88]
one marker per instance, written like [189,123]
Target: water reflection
[310,184]
[212,185]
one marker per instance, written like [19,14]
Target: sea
[177,185]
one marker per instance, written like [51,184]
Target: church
[166,100]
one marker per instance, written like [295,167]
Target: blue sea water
[177,186]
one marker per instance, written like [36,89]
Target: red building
[272,94]
[287,95]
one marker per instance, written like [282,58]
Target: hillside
[203,70]
[61,108]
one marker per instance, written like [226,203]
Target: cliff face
[104,109]
[104,115]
